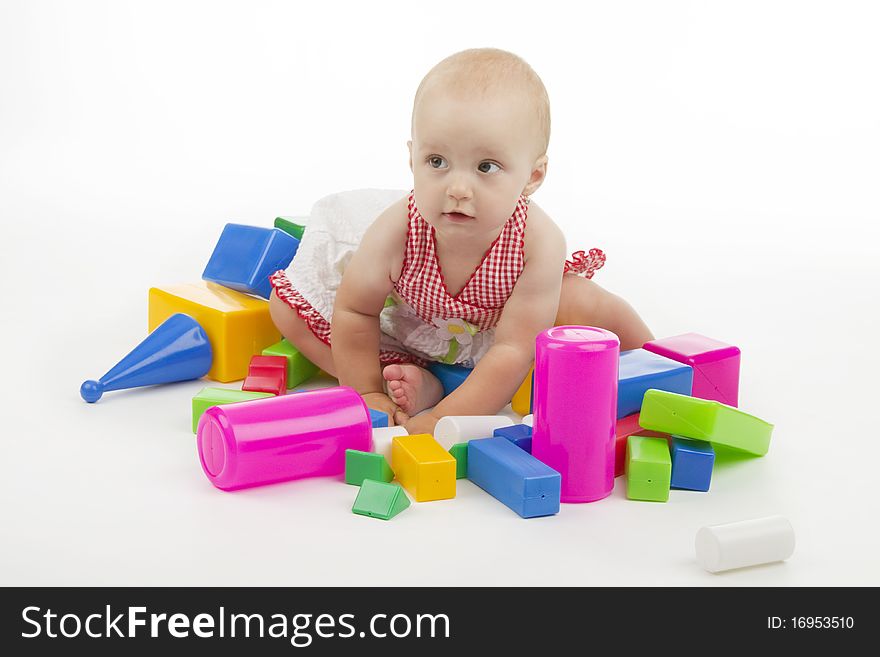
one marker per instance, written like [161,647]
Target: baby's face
[473,156]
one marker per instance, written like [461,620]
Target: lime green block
[703,419]
[366,465]
[459,453]
[299,368]
[648,468]
[209,397]
[378,499]
[289,227]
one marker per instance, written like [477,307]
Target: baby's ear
[539,172]
[409,146]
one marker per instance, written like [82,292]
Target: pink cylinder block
[265,441]
[575,407]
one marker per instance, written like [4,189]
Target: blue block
[451,376]
[692,462]
[378,418]
[245,257]
[519,434]
[514,477]
[641,370]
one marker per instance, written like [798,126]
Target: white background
[725,156]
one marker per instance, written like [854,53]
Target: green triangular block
[289,227]
[459,453]
[378,499]
[299,368]
[366,465]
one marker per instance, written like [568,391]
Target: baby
[465,269]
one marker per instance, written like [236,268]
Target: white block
[746,543]
[529,420]
[382,437]
[454,429]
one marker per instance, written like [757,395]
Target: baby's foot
[412,388]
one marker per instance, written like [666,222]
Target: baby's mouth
[457,216]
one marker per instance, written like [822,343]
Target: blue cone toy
[177,350]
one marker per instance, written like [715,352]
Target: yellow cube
[238,325]
[423,467]
[522,398]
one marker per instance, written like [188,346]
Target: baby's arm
[530,309]
[366,283]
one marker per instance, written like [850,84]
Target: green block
[299,368]
[703,419]
[648,468]
[378,499]
[289,227]
[459,453]
[366,465]
[209,397]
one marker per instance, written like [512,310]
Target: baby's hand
[379,401]
[422,423]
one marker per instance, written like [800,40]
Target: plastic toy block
[459,453]
[702,419]
[379,499]
[648,469]
[266,374]
[514,477]
[692,462]
[366,465]
[378,419]
[529,420]
[176,350]
[640,370]
[522,398]
[238,325]
[299,368]
[454,429]
[245,257]
[519,434]
[382,438]
[289,226]
[451,376]
[209,397]
[715,364]
[626,427]
[423,467]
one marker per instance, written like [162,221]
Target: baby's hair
[486,70]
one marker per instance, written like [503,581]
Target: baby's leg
[584,303]
[299,335]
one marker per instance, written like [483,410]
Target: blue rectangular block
[245,257]
[514,477]
[641,370]
[378,418]
[519,434]
[692,463]
[451,376]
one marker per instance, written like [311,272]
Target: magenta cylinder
[265,441]
[574,402]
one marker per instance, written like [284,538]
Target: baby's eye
[485,164]
[436,162]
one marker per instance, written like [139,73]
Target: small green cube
[290,227]
[378,499]
[209,397]
[366,465]
[703,419]
[459,453]
[299,368]
[648,469]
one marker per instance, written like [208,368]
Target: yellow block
[522,398]
[423,467]
[238,325]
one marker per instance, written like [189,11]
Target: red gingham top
[480,302]
[482,298]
